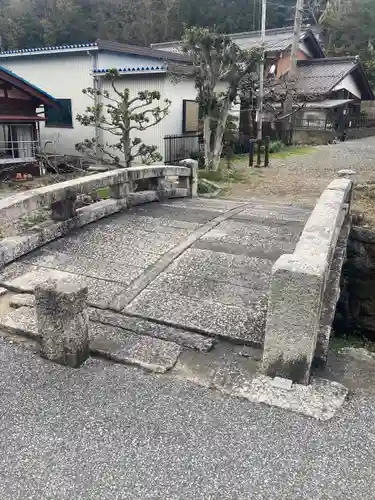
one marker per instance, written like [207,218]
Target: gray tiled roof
[321,75]
[275,40]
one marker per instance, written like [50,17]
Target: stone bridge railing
[126,187]
[305,288]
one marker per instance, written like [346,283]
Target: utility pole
[293,54]
[261,69]
[296,37]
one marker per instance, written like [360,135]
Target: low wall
[355,312]
[358,133]
[305,288]
[312,137]
[127,188]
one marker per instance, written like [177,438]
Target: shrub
[275,146]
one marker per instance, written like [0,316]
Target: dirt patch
[301,179]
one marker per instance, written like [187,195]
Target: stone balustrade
[305,288]
[127,187]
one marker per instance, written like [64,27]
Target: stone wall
[355,312]
[358,133]
[312,137]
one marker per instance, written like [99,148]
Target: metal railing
[17,150]
[316,124]
[179,147]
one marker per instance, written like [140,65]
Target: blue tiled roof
[135,68]
[27,83]
[47,49]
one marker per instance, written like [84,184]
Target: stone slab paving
[196,266]
[116,344]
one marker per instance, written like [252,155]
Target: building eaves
[320,76]
[134,69]
[276,40]
[142,51]
[50,50]
[26,86]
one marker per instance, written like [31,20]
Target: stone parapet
[305,288]
[127,188]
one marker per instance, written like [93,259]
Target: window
[190,116]
[17,141]
[60,117]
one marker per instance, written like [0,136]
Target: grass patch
[286,152]
[223,175]
[292,151]
[103,193]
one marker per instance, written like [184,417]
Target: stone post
[62,318]
[293,317]
[119,191]
[193,165]
[64,209]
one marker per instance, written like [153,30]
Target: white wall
[176,93]
[63,76]
[349,84]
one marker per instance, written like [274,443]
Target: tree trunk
[207,141]
[219,133]
[127,148]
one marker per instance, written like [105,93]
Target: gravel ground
[300,179]
[111,432]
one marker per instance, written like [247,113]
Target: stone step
[144,326]
[132,324]
[113,343]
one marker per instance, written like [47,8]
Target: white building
[64,71]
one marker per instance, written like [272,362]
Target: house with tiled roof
[339,85]
[63,71]
[22,109]
[330,89]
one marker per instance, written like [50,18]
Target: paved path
[107,431]
[202,266]
[112,432]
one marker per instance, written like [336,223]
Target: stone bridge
[169,273]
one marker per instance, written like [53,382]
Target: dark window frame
[184,104]
[65,123]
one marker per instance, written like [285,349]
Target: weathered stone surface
[229,268]
[295,302]
[76,263]
[270,212]
[27,201]
[63,322]
[200,287]
[303,293]
[118,191]
[149,353]
[193,166]
[134,199]
[22,321]
[331,295]
[21,300]
[3,291]
[14,247]
[149,172]
[203,316]
[100,292]
[321,399]
[254,239]
[144,327]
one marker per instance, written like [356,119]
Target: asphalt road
[108,431]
